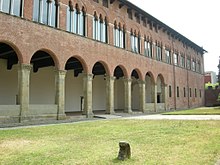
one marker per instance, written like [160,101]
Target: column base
[88,115]
[129,111]
[111,113]
[61,117]
[24,119]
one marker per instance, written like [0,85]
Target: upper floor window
[176,58]
[129,11]
[13,7]
[168,56]
[138,18]
[198,67]
[148,48]
[158,51]
[182,61]
[144,21]
[194,65]
[135,42]
[100,28]
[105,3]
[76,20]
[119,35]
[188,63]
[46,12]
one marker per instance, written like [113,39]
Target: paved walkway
[176,117]
[110,117]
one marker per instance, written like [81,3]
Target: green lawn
[96,143]
[197,111]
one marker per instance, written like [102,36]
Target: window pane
[44,12]
[36,10]
[98,30]
[121,42]
[53,14]
[104,32]
[68,18]
[6,6]
[94,28]
[81,23]
[75,19]
[17,7]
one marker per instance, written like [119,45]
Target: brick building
[61,56]
[210,77]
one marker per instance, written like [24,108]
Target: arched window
[119,35]
[147,48]
[76,20]
[135,42]
[13,7]
[46,12]
[100,28]
[105,3]
[158,51]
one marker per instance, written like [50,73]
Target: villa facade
[86,56]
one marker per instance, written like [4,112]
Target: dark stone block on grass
[124,151]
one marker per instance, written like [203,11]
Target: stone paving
[110,117]
[175,117]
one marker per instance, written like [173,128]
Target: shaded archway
[150,88]
[8,75]
[135,97]
[150,92]
[160,89]
[99,87]
[119,89]
[74,99]
[42,79]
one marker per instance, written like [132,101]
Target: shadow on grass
[129,161]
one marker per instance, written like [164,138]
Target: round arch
[118,69]
[45,53]
[101,65]
[14,48]
[161,77]
[81,60]
[151,76]
[137,74]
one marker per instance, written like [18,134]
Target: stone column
[110,95]
[127,83]
[23,89]
[142,95]
[60,94]
[87,90]
[155,98]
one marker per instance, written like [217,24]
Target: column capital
[61,72]
[27,67]
[141,82]
[88,76]
[110,78]
[127,80]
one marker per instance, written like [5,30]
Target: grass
[197,111]
[96,143]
